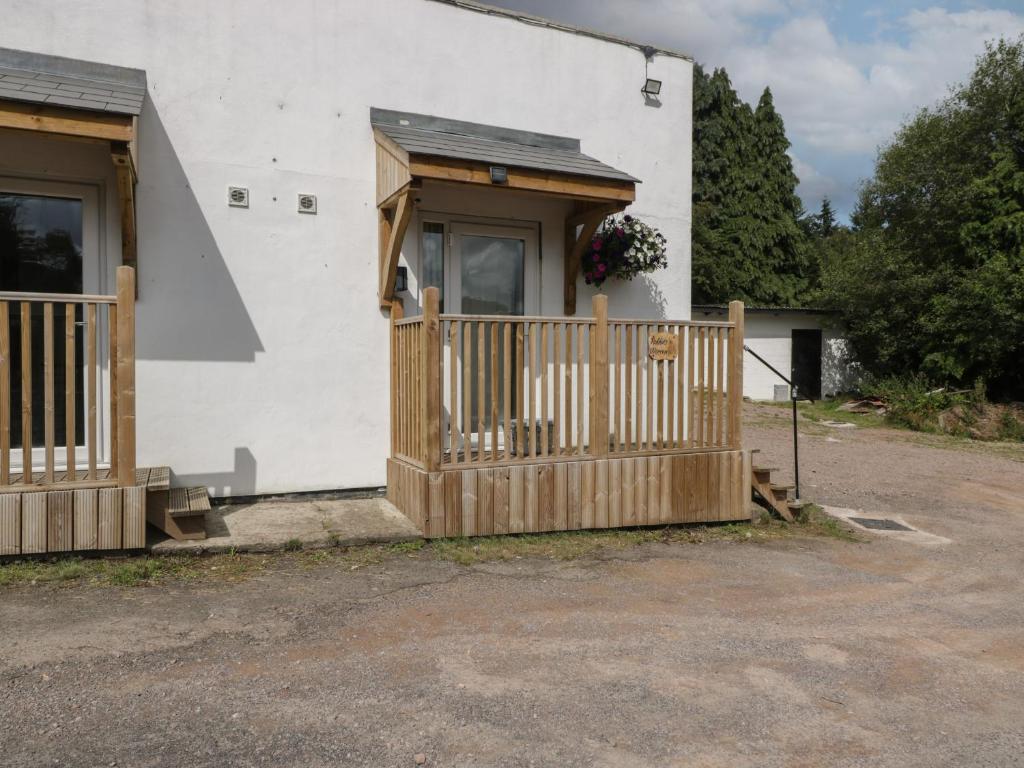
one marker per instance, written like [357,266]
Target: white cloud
[842,84]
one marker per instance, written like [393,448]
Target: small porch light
[499,174]
[651,88]
[401,279]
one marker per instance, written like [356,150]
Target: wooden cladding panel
[572,495]
[38,522]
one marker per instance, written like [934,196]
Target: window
[432,258]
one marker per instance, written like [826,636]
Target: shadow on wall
[640,297]
[238,481]
[189,306]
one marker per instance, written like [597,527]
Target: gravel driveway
[792,652]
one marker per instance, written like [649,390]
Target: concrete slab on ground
[270,525]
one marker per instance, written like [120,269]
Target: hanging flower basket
[624,248]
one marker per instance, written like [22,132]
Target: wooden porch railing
[490,390]
[56,355]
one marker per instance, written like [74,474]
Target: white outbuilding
[806,345]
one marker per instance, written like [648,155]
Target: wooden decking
[573,495]
[513,424]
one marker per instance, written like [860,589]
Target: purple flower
[627,218]
[597,245]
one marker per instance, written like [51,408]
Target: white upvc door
[50,242]
[489,268]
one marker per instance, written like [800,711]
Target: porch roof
[439,137]
[37,78]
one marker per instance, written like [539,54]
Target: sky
[844,75]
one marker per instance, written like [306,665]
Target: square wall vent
[307,203]
[238,197]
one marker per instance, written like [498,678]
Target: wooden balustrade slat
[691,385]
[649,377]
[114,391]
[580,437]
[91,377]
[5,395]
[670,393]
[556,382]
[570,333]
[544,389]
[720,391]
[69,388]
[531,349]
[507,380]
[48,427]
[467,391]
[617,389]
[681,336]
[494,390]
[453,391]
[701,416]
[628,402]
[520,411]
[481,394]
[659,438]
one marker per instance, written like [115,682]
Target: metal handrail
[794,395]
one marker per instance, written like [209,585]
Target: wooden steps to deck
[178,512]
[775,495]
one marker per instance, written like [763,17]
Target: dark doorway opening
[806,363]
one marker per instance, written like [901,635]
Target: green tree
[933,281]
[747,239]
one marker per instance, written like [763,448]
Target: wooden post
[599,378]
[431,378]
[396,314]
[125,376]
[735,386]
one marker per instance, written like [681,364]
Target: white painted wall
[770,336]
[262,351]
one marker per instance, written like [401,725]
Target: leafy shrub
[917,403]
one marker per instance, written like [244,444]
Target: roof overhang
[413,148]
[79,101]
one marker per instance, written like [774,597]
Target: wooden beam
[125,168]
[66,122]
[391,246]
[544,182]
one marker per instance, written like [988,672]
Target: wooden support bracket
[124,166]
[586,221]
[393,224]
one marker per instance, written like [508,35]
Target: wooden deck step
[178,512]
[775,495]
[188,502]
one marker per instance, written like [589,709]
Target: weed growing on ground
[232,566]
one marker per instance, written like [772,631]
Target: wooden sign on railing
[661,345]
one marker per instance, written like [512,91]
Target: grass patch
[147,570]
[828,410]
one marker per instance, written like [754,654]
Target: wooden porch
[510,424]
[74,484]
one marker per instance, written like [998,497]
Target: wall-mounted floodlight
[499,174]
[401,279]
[651,88]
